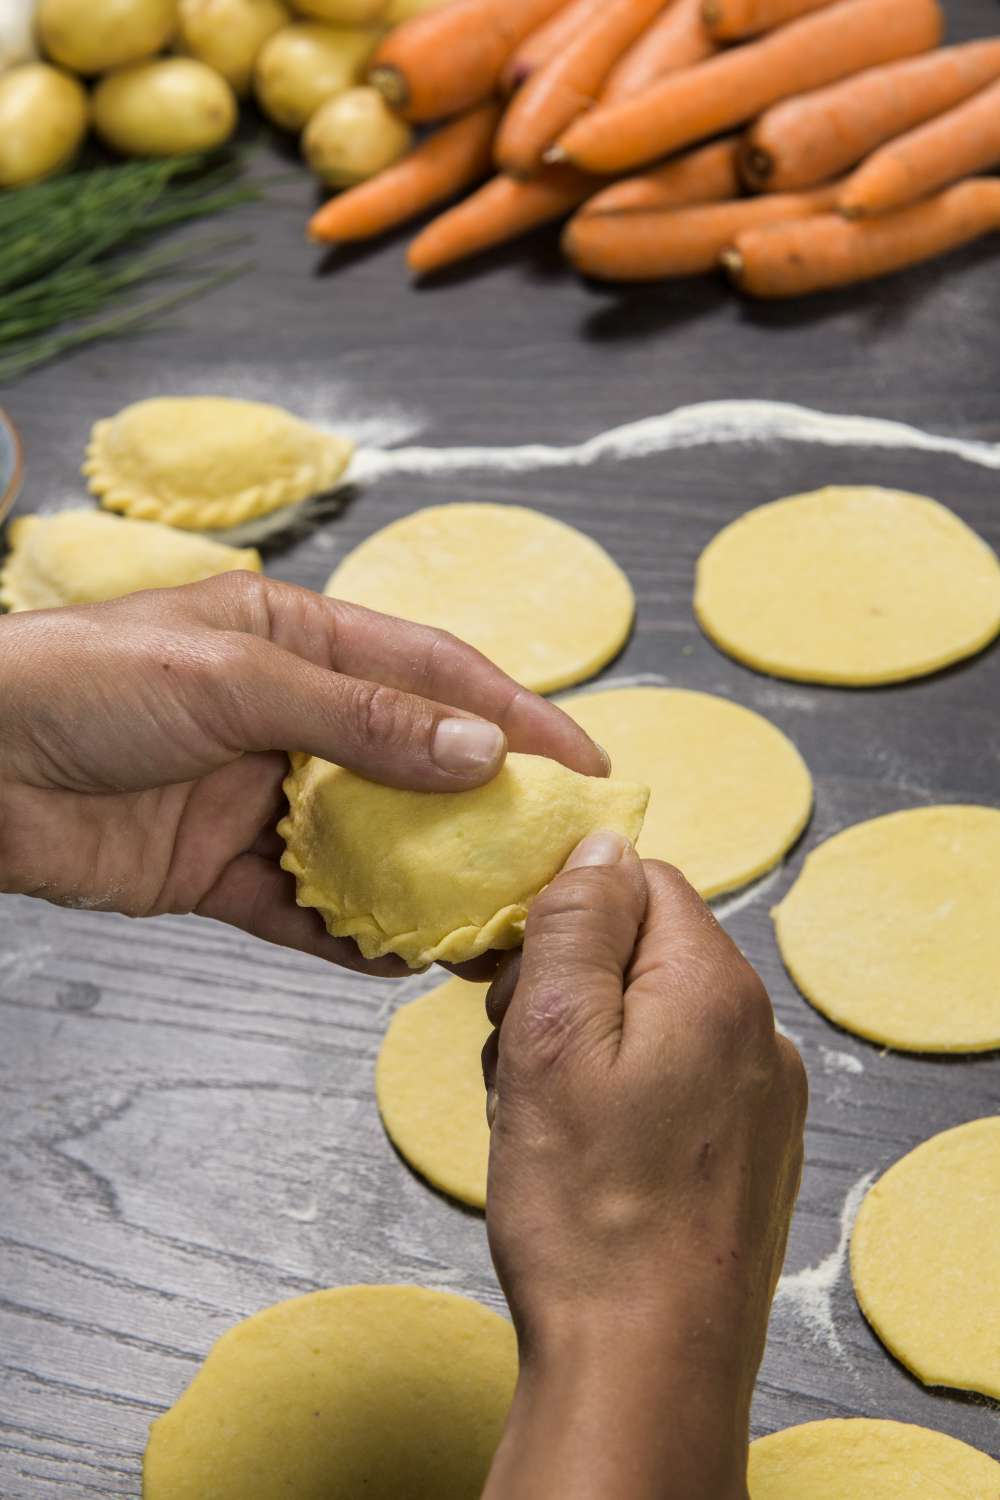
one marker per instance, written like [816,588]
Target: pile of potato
[160,77]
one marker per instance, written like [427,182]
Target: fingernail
[604,848]
[466,745]
[607,759]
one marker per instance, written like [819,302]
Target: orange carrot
[449,160]
[499,211]
[787,260]
[682,242]
[705,175]
[966,139]
[547,42]
[817,136]
[732,20]
[446,60]
[677,39]
[554,95]
[737,84]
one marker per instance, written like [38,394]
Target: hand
[141,742]
[645,1157]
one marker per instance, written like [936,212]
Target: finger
[501,991]
[479,970]
[490,1055]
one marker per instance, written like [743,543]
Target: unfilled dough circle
[925,1258]
[893,929]
[850,584]
[730,793]
[380,1391]
[861,1459]
[429,1086]
[536,596]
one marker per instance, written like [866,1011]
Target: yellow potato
[228,34]
[354,135]
[305,64]
[43,119]
[90,36]
[165,107]
[342,12]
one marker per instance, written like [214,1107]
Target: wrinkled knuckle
[377,714]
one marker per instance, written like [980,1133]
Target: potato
[43,120]
[164,107]
[305,64]
[90,36]
[342,12]
[228,34]
[354,135]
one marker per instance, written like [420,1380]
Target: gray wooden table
[188,1129]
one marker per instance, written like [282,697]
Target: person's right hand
[646,1153]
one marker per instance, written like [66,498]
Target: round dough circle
[925,1258]
[730,793]
[381,1391]
[429,1087]
[848,1460]
[536,596]
[850,584]
[893,929]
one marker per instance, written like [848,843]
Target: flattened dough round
[860,1459]
[729,793]
[441,876]
[893,929]
[536,596]
[429,1086]
[925,1258]
[850,584]
[374,1391]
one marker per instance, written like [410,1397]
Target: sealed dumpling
[441,876]
[83,557]
[206,463]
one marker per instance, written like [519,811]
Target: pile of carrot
[798,144]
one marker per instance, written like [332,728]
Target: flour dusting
[840,1062]
[809,1292]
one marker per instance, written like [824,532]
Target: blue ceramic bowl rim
[10,491]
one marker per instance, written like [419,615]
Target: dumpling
[441,876]
[206,463]
[82,557]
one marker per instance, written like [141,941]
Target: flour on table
[809,1292]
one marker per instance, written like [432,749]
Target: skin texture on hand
[645,1157]
[142,743]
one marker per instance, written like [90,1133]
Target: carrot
[447,60]
[704,175]
[499,211]
[787,260]
[683,242]
[546,42]
[554,95]
[966,139]
[737,84]
[676,39]
[817,136]
[732,20]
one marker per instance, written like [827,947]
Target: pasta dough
[83,557]
[850,584]
[925,1258]
[537,597]
[441,876]
[429,1086]
[381,1391]
[861,1459]
[729,792]
[893,929]
[207,463]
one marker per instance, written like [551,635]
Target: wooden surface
[188,1129]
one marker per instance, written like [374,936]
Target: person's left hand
[141,742]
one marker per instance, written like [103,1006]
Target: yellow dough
[206,463]
[537,597]
[860,1459]
[893,929]
[925,1258]
[729,792]
[429,1086]
[849,584]
[381,1392]
[82,557]
[441,876]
